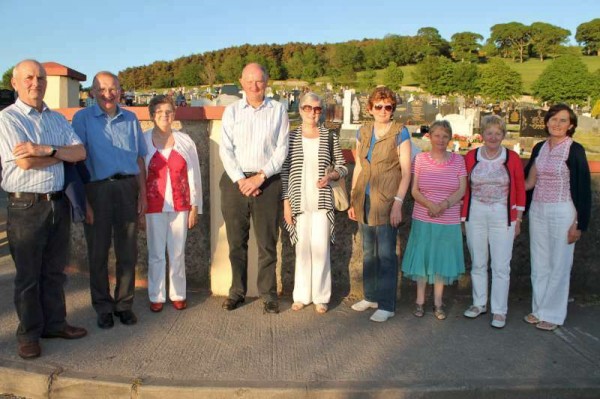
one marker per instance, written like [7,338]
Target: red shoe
[180,305]
[156,306]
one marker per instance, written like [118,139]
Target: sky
[90,36]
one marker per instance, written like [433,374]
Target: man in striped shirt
[34,142]
[253,147]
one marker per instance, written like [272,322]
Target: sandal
[419,311]
[546,326]
[297,306]
[321,308]
[531,319]
[439,313]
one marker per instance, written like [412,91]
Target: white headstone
[461,125]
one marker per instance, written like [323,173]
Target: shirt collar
[27,109]
[266,103]
[100,112]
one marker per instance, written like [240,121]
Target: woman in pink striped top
[434,253]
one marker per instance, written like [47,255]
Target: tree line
[341,61]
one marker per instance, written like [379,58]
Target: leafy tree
[547,37]
[431,42]
[498,82]
[6,77]
[435,75]
[393,76]
[567,80]
[464,79]
[313,64]
[511,38]
[588,34]
[209,73]
[189,75]
[366,80]
[465,46]
[230,69]
[376,55]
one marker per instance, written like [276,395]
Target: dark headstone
[363,115]
[532,123]
[447,109]
[7,97]
[418,112]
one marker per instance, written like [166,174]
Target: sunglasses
[308,108]
[387,107]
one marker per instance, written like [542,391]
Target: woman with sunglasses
[308,203]
[379,183]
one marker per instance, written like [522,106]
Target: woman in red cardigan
[492,209]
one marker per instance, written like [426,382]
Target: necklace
[487,156]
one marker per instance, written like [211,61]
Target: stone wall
[346,260]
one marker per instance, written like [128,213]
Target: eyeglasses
[379,107]
[308,108]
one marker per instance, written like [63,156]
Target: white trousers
[166,230]
[488,233]
[312,279]
[551,259]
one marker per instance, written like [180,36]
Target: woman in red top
[492,209]
[174,196]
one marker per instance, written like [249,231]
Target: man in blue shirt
[116,196]
[34,142]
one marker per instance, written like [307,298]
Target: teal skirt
[434,253]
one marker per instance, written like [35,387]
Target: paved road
[206,352]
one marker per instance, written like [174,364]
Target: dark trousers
[38,237]
[115,214]
[237,210]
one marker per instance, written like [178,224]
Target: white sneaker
[382,315]
[475,311]
[364,305]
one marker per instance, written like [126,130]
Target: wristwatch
[54,149]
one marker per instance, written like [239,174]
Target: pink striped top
[437,181]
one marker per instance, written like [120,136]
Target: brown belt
[36,197]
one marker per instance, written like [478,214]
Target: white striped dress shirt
[254,139]
[20,123]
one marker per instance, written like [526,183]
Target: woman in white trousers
[559,175]
[308,203]
[174,197]
[492,210]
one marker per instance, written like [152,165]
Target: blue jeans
[380,263]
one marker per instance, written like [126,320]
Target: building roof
[56,69]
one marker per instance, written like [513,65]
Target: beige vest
[382,173]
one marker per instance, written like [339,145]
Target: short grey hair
[18,66]
[105,73]
[493,120]
[442,124]
[308,97]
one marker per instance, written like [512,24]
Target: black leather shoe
[231,304]
[127,317]
[105,320]
[69,332]
[271,307]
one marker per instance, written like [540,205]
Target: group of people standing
[152,180]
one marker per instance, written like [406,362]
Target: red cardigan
[516,191]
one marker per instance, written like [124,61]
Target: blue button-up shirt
[113,144]
[20,123]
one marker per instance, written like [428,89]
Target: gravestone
[446,109]
[461,124]
[588,125]
[418,112]
[363,101]
[532,123]
[7,97]
[514,117]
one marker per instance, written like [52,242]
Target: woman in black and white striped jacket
[308,203]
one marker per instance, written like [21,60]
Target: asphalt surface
[206,352]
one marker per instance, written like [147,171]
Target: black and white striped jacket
[291,175]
